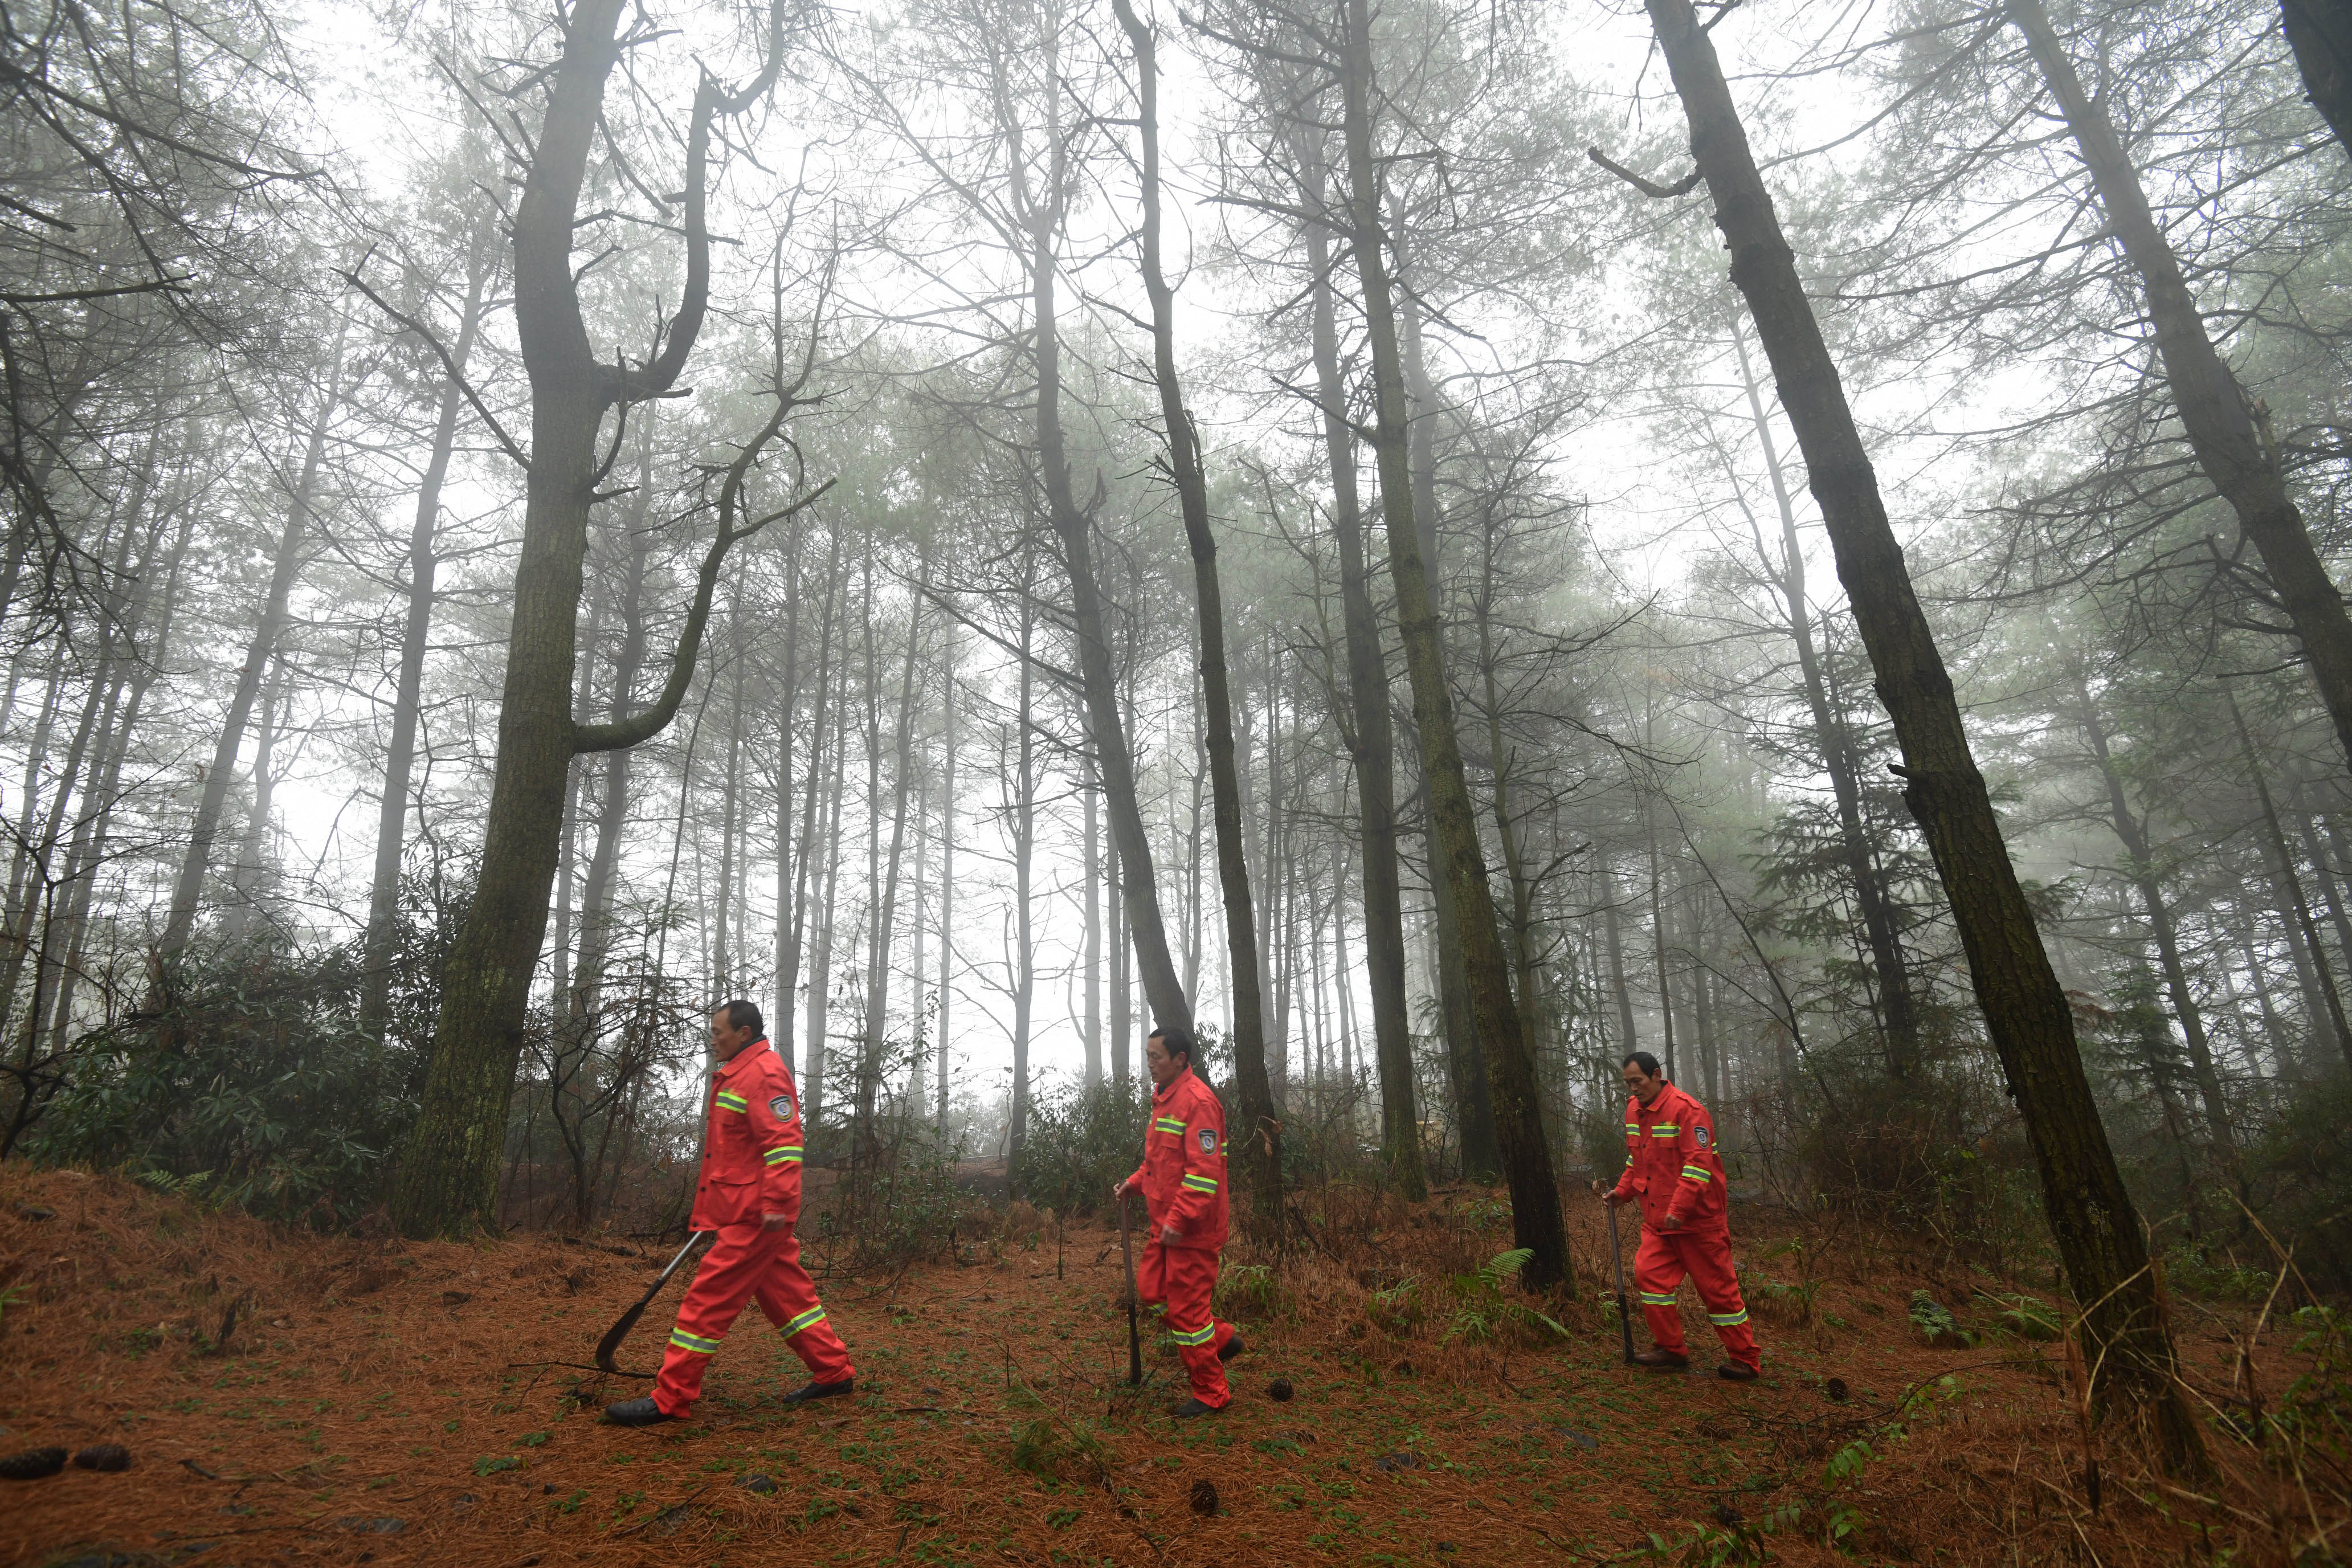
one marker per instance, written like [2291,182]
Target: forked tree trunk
[1461,873]
[2213,407]
[448,1181]
[1258,1119]
[2098,1231]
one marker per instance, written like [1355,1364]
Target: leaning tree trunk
[2098,1232]
[1461,873]
[448,1181]
[1370,737]
[2212,406]
[1261,1149]
[2320,33]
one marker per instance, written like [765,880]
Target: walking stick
[1624,1313]
[620,1330]
[1134,1329]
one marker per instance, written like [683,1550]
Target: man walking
[1184,1185]
[1674,1171]
[750,1196]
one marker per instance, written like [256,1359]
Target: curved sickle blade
[628,1320]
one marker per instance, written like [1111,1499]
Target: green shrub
[1079,1141]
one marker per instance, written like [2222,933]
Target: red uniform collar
[1179,1081]
[727,1068]
[1669,1096]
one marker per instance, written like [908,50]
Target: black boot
[802,1395]
[638,1413]
[1192,1408]
[1231,1348]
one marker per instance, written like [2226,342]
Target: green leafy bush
[1079,1141]
[1483,1313]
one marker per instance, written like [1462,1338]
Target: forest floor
[377,1401]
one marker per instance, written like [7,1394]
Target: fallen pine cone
[104,1456]
[32,1464]
[1204,1498]
[1279,1390]
[1834,1388]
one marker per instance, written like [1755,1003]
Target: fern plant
[1482,1312]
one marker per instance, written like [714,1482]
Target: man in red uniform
[1674,1170]
[1184,1185]
[750,1196]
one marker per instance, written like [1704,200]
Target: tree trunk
[415,642]
[1025,842]
[789,949]
[883,926]
[2098,1232]
[2213,407]
[1075,528]
[947,860]
[2132,833]
[1364,725]
[180,920]
[246,874]
[448,1181]
[2320,33]
[2303,929]
[1612,927]
[1897,1010]
[1259,1119]
[1512,1087]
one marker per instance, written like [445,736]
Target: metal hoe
[1134,1331]
[620,1330]
[1624,1313]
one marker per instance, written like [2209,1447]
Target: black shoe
[1734,1372]
[819,1391]
[1658,1360]
[1231,1348]
[638,1413]
[1192,1408]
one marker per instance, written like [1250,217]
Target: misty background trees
[981,524]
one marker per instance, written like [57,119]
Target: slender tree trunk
[180,920]
[883,926]
[1024,841]
[246,875]
[415,642]
[820,1003]
[1091,936]
[788,959]
[1364,725]
[1512,1086]
[1897,1010]
[2303,929]
[1260,1120]
[947,860]
[2098,1231]
[1075,529]
[1612,927]
[2213,407]
[2131,832]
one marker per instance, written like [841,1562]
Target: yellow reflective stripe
[1168,1124]
[730,1100]
[1728,1320]
[1664,1130]
[1200,1183]
[807,1320]
[694,1342]
[1696,1173]
[1656,1299]
[783,1155]
[1195,1336]
[1632,1130]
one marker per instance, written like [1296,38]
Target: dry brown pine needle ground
[399,1403]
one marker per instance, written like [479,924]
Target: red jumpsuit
[1184,1183]
[750,1168]
[1672,1166]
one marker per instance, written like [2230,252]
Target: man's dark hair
[742,1014]
[1642,1059]
[1173,1038]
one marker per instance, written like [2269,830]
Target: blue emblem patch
[782,1108]
[1208,1140]
[1701,1135]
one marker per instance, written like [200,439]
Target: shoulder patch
[1700,1133]
[1208,1140]
[781,1109]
